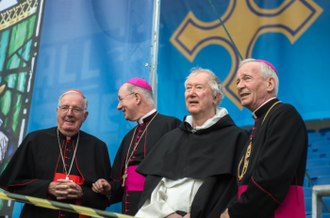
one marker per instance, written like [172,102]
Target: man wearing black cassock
[191,170]
[59,163]
[272,166]
[136,101]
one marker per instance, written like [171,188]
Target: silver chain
[73,157]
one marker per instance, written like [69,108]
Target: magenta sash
[134,181]
[293,205]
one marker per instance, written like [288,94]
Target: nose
[119,106]
[191,91]
[70,112]
[239,86]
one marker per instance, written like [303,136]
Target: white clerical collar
[219,113]
[254,112]
[140,121]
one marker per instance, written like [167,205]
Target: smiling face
[69,122]
[127,103]
[252,89]
[200,102]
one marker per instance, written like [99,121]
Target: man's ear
[137,97]
[270,84]
[85,115]
[216,98]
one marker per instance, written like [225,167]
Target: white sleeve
[170,196]
[156,206]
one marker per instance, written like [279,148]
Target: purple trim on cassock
[134,181]
[293,205]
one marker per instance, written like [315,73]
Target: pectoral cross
[124,177]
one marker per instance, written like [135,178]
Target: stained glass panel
[18,51]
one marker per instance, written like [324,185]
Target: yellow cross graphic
[245,22]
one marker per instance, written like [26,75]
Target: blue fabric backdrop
[292,35]
[93,46]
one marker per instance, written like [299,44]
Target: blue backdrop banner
[292,35]
[91,45]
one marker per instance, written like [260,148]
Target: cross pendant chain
[128,156]
[124,177]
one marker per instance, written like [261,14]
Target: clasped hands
[65,189]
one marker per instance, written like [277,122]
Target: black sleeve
[117,191]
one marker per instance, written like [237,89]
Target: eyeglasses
[66,108]
[120,99]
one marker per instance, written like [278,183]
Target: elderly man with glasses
[136,101]
[60,163]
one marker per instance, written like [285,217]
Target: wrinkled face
[199,99]
[251,87]
[126,103]
[71,114]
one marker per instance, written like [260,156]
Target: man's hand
[173,215]
[65,189]
[101,186]
[52,188]
[225,214]
[187,215]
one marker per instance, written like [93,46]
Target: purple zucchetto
[269,64]
[75,91]
[140,82]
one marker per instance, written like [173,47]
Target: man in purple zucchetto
[272,165]
[135,100]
